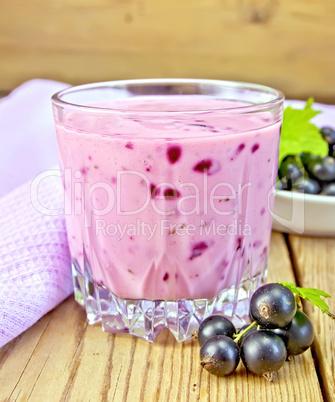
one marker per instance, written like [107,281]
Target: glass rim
[235,85]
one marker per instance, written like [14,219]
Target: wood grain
[285,44]
[314,266]
[62,359]
[38,364]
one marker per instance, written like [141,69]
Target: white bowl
[306,214]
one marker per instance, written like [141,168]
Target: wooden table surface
[62,358]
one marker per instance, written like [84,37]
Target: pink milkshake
[167,200]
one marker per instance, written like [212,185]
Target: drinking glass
[167,205]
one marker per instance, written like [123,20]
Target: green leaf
[313,295]
[298,134]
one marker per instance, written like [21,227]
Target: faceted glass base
[147,318]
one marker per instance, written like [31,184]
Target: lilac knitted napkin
[35,272]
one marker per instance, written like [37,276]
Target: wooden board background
[286,44]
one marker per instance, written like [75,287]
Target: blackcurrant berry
[282,332]
[273,306]
[328,189]
[219,355]
[325,171]
[300,334]
[282,185]
[263,352]
[309,161]
[289,171]
[215,325]
[306,185]
[328,134]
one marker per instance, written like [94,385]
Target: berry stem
[298,302]
[194,335]
[269,376]
[239,336]
[331,315]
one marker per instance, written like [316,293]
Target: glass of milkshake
[167,198]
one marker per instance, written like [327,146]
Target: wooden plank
[67,360]
[286,44]
[314,267]
[45,353]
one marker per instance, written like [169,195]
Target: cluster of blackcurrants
[319,172]
[278,331]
